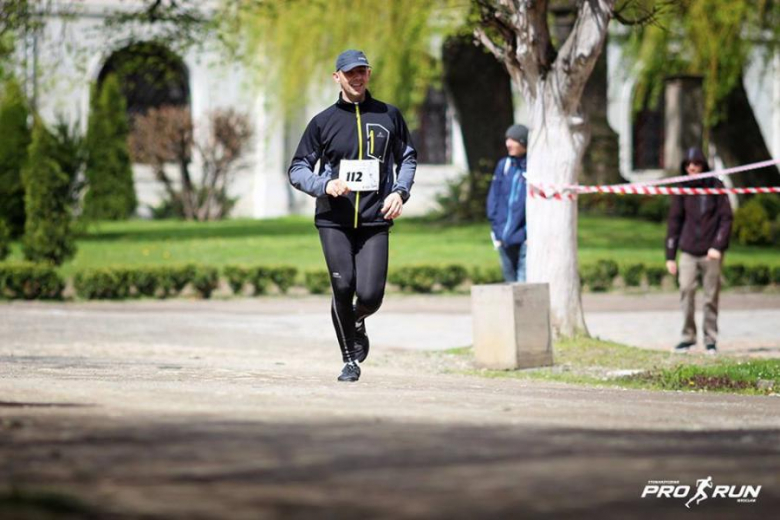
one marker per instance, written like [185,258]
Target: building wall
[73,47]
[762,82]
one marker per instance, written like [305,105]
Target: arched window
[151,76]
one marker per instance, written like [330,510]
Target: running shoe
[361,341]
[350,373]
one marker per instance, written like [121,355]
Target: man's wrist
[402,193]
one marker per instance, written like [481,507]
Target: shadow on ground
[103,467]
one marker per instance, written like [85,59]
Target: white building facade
[71,51]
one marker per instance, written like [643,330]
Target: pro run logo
[703,490]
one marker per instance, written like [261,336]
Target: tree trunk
[554,157]
[552,83]
[739,140]
[187,193]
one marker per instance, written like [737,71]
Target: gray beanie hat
[518,133]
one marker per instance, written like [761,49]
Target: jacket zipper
[360,157]
[511,201]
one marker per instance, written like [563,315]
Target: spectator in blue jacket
[506,205]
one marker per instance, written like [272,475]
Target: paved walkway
[188,409]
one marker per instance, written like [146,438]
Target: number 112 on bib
[360,175]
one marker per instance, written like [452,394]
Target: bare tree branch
[521,26]
[164,136]
[579,53]
[648,17]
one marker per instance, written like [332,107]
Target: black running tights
[357,265]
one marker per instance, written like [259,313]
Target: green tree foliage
[70,153]
[15,17]
[298,42]
[752,225]
[111,192]
[711,38]
[47,231]
[5,240]
[13,154]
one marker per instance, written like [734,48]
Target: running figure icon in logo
[701,494]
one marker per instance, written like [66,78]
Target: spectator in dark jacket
[506,205]
[699,226]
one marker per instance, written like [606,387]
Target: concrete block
[511,324]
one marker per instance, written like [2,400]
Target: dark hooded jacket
[698,222]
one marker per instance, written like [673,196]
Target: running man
[367,165]
[701,494]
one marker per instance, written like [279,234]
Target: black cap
[695,155]
[518,133]
[350,59]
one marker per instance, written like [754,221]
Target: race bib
[360,175]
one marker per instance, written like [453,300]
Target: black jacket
[333,135]
[698,222]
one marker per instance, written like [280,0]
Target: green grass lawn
[592,361]
[293,241]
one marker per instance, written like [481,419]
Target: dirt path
[231,410]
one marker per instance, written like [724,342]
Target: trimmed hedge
[317,282]
[655,275]
[451,276]
[600,276]
[173,279]
[205,280]
[114,283]
[759,274]
[734,274]
[486,275]
[237,277]
[632,274]
[29,281]
[260,278]
[283,277]
[420,278]
[103,283]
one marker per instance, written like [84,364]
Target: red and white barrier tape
[707,175]
[564,189]
[633,189]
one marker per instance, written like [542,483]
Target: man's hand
[393,206]
[671,266]
[714,254]
[336,188]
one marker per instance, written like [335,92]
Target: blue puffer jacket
[506,201]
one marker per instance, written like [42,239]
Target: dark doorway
[150,75]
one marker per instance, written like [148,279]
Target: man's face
[514,148]
[353,82]
[694,167]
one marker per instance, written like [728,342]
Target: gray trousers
[690,267]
